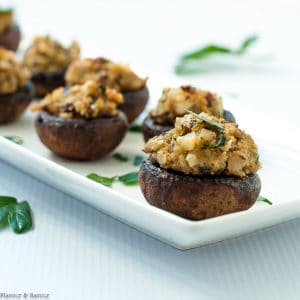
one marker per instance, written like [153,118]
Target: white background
[75,252]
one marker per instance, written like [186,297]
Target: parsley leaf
[14,138]
[263,199]
[120,157]
[107,181]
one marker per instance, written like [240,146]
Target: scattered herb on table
[202,53]
[14,138]
[263,199]
[15,214]
[120,157]
[127,179]
[136,128]
[107,181]
[137,160]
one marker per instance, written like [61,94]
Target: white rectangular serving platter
[280,183]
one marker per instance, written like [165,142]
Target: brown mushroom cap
[134,103]
[152,128]
[46,82]
[13,105]
[81,139]
[197,197]
[11,38]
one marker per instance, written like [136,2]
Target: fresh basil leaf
[107,181]
[136,128]
[209,121]
[263,199]
[137,160]
[16,139]
[4,211]
[19,218]
[219,143]
[129,179]
[7,200]
[120,157]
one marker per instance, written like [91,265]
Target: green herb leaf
[136,128]
[248,42]
[4,11]
[129,179]
[206,50]
[4,211]
[103,89]
[219,143]
[107,181]
[14,138]
[263,199]
[137,160]
[19,218]
[183,64]
[7,200]
[209,121]
[120,157]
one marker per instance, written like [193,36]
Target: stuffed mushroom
[113,75]
[10,35]
[15,90]
[175,102]
[48,60]
[203,168]
[81,122]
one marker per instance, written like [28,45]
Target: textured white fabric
[75,252]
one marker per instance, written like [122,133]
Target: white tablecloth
[75,252]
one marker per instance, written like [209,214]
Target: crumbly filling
[205,146]
[106,73]
[175,101]
[13,75]
[87,101]
[48,55]
[6,19]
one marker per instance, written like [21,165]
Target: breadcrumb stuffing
[88,101]
[48,55]
[13,75]
[197,147]
[106,73]
[175,101]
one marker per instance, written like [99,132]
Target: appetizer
[81,122]
[48,60]
[204,167]
[113,75]
[15,90]
[175,101]
[10,35]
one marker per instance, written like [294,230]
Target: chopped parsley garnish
[107,181]
[120,157]
[127,179]
[14,138]
[136,128]
[137,160]
[263,199]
